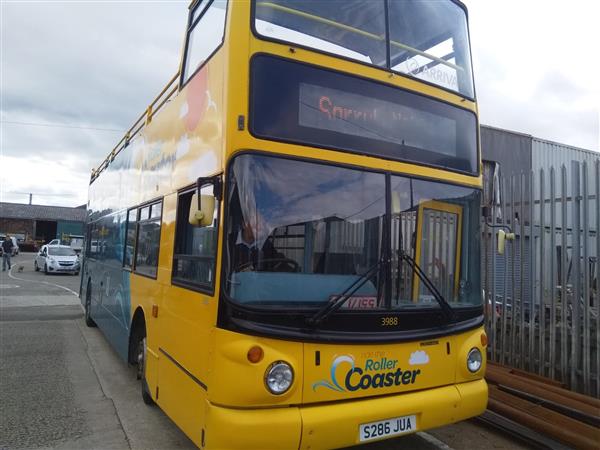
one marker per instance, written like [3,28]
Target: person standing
[7,247]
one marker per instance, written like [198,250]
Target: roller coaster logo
[379,373]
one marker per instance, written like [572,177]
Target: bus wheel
[141,368]
[88,306]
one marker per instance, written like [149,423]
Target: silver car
[57,259]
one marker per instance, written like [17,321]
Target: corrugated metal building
[523,160]
[509,148]
[527,158]
[547,154]
[520,153]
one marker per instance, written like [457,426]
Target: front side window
[205,34]
[300,235]
[424,39]
[195,247]
[148,240]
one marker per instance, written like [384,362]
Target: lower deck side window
[148,239]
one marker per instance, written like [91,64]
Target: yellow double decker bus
[287,242]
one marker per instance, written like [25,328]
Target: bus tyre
[88,307]
[141,368]
[146,397]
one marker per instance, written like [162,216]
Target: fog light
[279,377]
[474,360]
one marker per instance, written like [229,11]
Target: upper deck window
[424,39]
[205,34]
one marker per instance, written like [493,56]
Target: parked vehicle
[73,241]
[57,259]
[76,243]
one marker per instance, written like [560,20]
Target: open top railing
[144,119]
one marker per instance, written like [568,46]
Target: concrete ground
[63,387]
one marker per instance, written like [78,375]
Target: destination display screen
[354,114]
[298,103]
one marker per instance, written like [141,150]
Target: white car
[57,259]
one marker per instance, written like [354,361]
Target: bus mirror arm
[217,183]
[202,214]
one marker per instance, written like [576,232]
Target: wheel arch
[138,326]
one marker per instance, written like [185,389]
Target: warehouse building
[534,173]
[520,153]
[41,223]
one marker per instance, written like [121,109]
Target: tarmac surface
[63,387]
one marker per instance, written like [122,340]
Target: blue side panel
[111,299]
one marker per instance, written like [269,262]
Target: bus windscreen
[303,104]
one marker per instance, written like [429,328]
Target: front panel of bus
[351,240]
[350,291]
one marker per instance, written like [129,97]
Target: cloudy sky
[74,75]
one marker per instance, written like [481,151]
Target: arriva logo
[375,374]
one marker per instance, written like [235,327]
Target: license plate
[387,428]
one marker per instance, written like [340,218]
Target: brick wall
[16,226]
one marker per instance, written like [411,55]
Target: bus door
[437,249]
[189,307]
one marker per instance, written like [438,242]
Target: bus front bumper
[335,425]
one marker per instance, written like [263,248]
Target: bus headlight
[474,360]
[279,377]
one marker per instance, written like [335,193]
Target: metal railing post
[532,272]
[576,264]
[513,257]
[586,281]
[542,300]
[564,356]
[522,273]
[553,290]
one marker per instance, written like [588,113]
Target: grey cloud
[88,62]
[560,87]
[83,64]
[543,118]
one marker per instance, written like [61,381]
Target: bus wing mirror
[203,211]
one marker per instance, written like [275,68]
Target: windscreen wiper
[332,306]
[444,305]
